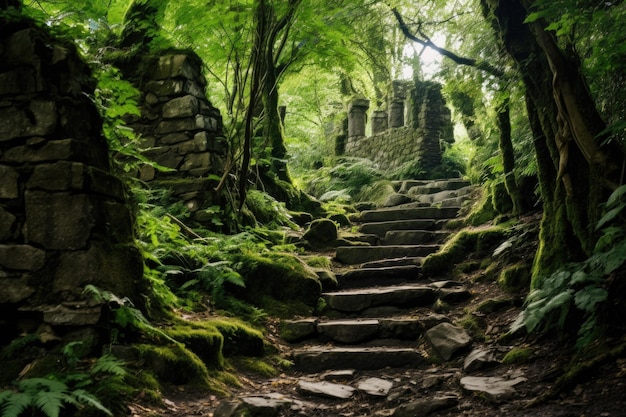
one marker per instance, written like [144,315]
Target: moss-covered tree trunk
[508,157]
[571,183]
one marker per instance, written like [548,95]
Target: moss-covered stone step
[411,213]
[382,227]
[354,331]
[414,237]
[351,255]
[359,358]
[405,260]
[432,187]
[403,296]
[443,198]
[388,275]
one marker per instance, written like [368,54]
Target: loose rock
[326,389]
[447,339]
[375,386]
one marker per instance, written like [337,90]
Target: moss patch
[174,364]
[457,249]
[515,278]
[518,355]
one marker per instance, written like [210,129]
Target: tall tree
[575,173]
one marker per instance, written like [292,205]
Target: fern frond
[90,400]
[109,364]
[16,403]
[50,402]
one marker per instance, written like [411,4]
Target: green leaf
[88,399]
[16,403]
[587,298]
[610,215]
[50,402]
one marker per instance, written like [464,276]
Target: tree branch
[426,42]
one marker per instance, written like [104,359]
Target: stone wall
[416,127]
[64,221]
[179,128]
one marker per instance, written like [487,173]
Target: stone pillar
[357,117]
[379,121]
[396,113]
[64,218]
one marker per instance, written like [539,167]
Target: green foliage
[79,385]
[268,211]
[579,289]
[347,178]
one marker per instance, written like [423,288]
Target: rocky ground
[468,369]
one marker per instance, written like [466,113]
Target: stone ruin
[416,126]
[180,130]
[64,218]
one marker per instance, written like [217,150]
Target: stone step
[355,331]
[351,255]
[434,186]
[435,196]
[381,228]
[406,260]
[319,359]
[409,213]
[402,296]
[414,237]
[388,275]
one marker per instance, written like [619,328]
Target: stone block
[22,257]
[7,222]
[197,144]
[59,221]
[185,106]
[53,150]
[103,183]
[40,119]
[178,65]
[14,290]
[116,268]
[196,160]
[21,47]
[59,176]
[77,315]
[165,87]
[173,138]
[118,221]
[177,125]
[20,81]
[9,188]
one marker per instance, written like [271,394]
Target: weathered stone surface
[326,389]
[398,296]
[185,106]
[58,220]
[327,278]
[22,81]
[447,339]
[22,257]
[342,375]
[20,47]
[321,232]
[477,359]
[176,65]
[7,223]
[414,237]
[376,387]
[8,186]
[297,330]
[391,214]
[404,328]
[348,331]
[116,268]
[364,277]
[396,199]
[195,160]
[404,261]
[53,150]
[14,290]
[351,255]
[315,360]
[497,389]
[456,294]
[380,228]
[426,406]
[173,138]
[38,120]
[77,315]
[58,176]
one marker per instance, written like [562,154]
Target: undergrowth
[580,288]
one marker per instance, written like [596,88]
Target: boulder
[321,233]
[447,339]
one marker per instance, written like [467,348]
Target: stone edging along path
[367,344]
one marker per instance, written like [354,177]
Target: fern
[580,285]
[109,364]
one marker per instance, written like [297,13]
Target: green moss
[515,278]
[255,365]
[473,325]
[458,248]
[493,305]
[278,276]
[317,261]
[500,198]
[482,212]
[239,338]
[174,364]
[518,355]
[205,342]
[377,192]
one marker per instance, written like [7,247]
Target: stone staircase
[378,335]
[381,306]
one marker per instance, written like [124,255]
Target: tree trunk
[508,158]
[571,192]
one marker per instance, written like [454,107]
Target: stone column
[379,121]
[357,117]
[396,113]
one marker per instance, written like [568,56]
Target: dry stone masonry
[416,126]
[180,129]
[64,221]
